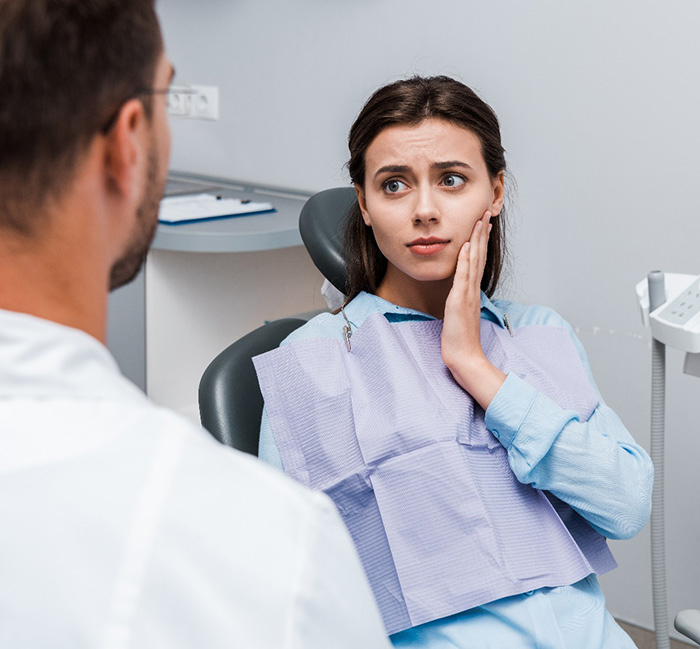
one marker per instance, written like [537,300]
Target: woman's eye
[453,180]
[393,186]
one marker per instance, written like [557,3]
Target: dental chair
[321,224]
[230,403]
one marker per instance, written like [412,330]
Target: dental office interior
[599,106]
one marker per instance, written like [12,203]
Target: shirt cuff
[508,409]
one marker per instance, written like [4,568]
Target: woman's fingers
[460,282]
[479,247]
[475,256]
[472,259]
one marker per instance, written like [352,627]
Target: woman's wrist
[479,377]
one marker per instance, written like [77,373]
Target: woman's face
[426,186]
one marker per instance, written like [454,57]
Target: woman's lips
[427,246]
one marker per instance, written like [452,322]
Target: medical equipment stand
[675,322]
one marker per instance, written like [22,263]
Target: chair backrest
[230,403]
[321,225]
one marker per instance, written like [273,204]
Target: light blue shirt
[595,466]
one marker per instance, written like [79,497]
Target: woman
[462,438]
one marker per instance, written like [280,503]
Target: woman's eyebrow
[450,163]
[398,169]
[394,169]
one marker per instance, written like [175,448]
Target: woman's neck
[427,297]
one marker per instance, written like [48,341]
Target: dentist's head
[84,149]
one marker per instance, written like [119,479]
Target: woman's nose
[426,209]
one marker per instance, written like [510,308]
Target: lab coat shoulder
[259,560]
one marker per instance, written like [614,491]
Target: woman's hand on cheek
[461,332]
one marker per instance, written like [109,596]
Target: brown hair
[409,102]
[66,66]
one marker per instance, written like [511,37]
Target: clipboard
[194,208]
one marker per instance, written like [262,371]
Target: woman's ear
[497,200]
[362,202]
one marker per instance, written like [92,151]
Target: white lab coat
[124,525]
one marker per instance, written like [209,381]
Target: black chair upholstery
[321,224]
[230,403]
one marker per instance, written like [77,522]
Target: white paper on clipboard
[175,210]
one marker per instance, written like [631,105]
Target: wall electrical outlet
[194,102]
[205,104]
[180,101]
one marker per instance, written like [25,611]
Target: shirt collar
[367,303]
[492,312]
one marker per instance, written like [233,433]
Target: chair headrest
[321,225]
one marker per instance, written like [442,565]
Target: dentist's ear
[124,150]
[363,204]
[497,200]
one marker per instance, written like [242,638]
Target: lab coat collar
[43,359]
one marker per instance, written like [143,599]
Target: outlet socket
[205,103]
[194,102]
[180,101]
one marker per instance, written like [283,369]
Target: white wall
[599,109]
